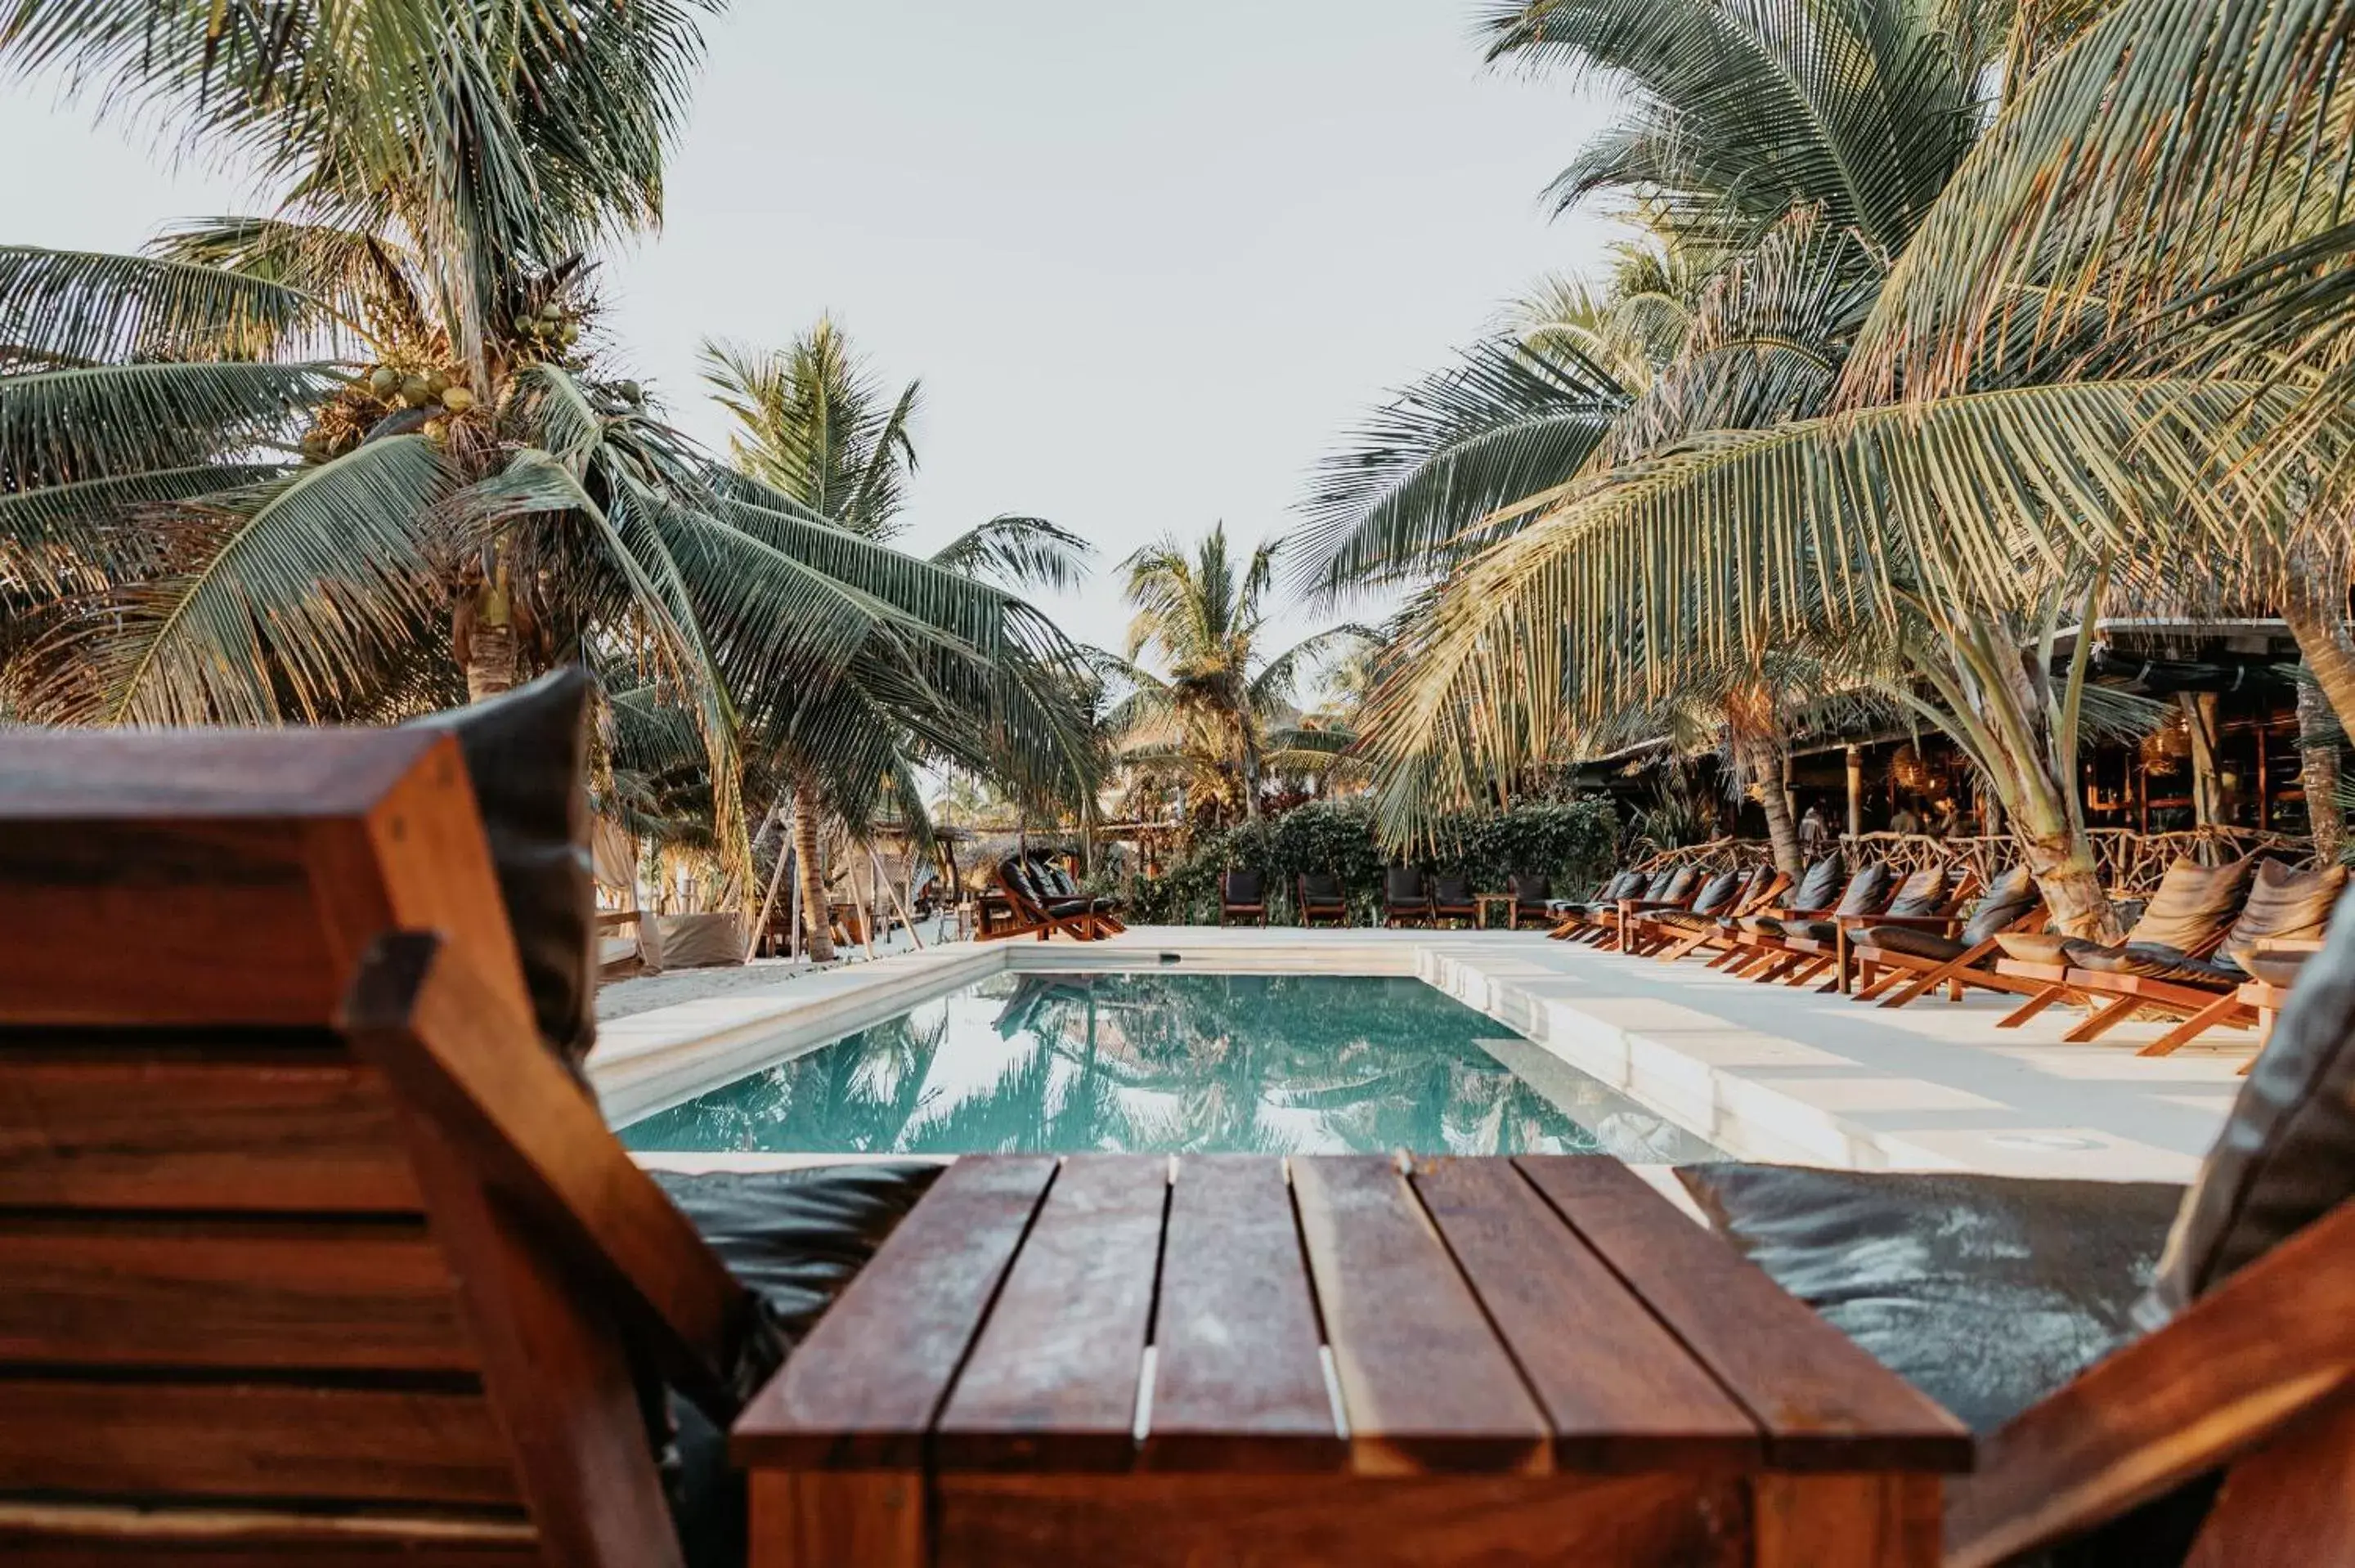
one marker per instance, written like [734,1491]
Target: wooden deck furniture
[1452,898]
[1032,911]
[2186,918]
[1321,899]
[1654,931]
[1683,885]
[1798,943]
[1925,894]
[314,1252]
[1537,1360]
[1056,882]
[2256,1380]
[1243,895]
[1526,893]
[1720,931]
[2283,909]
[1899,960]
[1571,917]
[1406,896]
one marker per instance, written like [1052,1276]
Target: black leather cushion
[1529,891]
[528,757]
[2286,1156]
[1244,888]
[1817,885]
[1717,892]
[2152,961]
[1920,893]
[1320,887]
[1680,886]
[1912,939]
[1984,1292]
[1812,931]
[1402,885]
[1452,890]
[794,1238]
[1866,890]
[2009,897]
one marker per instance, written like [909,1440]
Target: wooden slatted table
[1124,1359]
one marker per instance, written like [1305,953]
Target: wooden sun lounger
[314,1252]
[1718,933]
[1651,931]
[1030,916]
[2256,1379]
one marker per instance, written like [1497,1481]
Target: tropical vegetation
[369,452]
[1959,327]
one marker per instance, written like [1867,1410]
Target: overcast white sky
[1149,261]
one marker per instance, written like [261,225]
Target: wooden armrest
[2273,1342]
[608,919]
[463,1055]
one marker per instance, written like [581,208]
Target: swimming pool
[1162,1061]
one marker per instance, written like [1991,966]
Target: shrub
[1572,842]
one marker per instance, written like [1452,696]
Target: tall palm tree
[323,462]
[1223,708]
[812,423]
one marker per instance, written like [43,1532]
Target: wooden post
[897,903]
[760,926]
[1855,792]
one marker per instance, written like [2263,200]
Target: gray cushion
[2286,1156]
[1984,1292]
[1818,884]
[2032,946]
[1913,940]
[528,757]
[795,1239]
[2009,897]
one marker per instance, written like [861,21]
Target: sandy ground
[621,998]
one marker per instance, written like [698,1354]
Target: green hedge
[1574,843]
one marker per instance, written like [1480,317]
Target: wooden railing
[2131,862]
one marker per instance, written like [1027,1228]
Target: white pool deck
[1762,1072]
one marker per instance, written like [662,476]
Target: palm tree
[813,424]
[1224,710]
[1936,544]
[206,515]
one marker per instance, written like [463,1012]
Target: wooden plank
[1824,1404]
[161,922]
[1425,1380]
[836,1519]
[2290,1503]
[565,1387]
[862,1390]
[288,1130]
[1151,1520]
[47,1535]
[252,1440]
[2271,1343]
[462,1054]
[1846,1521]
[1052,1379]
[1622,1392]
[214,1293]
[1239,1382]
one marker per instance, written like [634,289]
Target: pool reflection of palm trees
[1183,1062]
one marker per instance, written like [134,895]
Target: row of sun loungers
[2214,946]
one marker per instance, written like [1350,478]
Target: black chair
[1530,892]
[1243,895]
[1406,896]
[1321,899]
[1452,898]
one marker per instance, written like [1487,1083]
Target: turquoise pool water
[1174,1062]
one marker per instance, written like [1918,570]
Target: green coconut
[570,335]
[553,312]
[457,399]
[526,324]
[415,390]
[633,391]
[437,382]
[383,379]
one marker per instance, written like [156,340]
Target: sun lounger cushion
[1716,893]
[1984,1292]
[2275,968]
[2283,905]
[1865,891]
[526,752]
[797,1238]
[1913,940]
[2286,1156]
[1818,885]
[2032,946]
[2006,899]
[1920,893]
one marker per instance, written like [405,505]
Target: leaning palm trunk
[2313,607]
[2317,750]
[1762,758]
[811,870]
